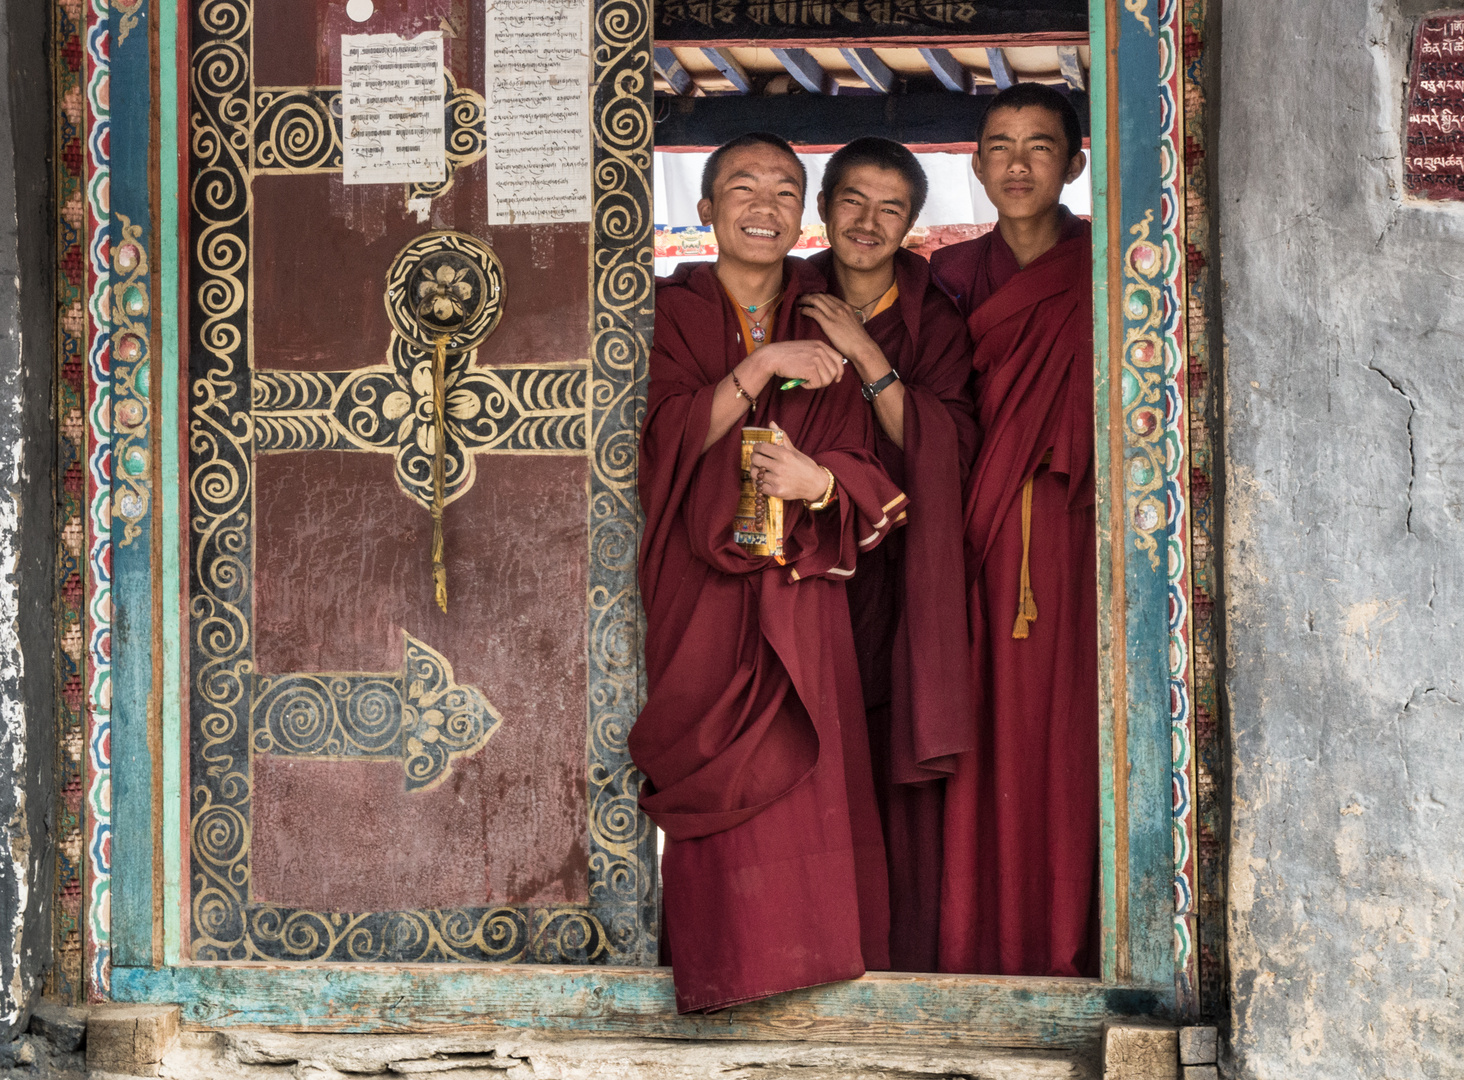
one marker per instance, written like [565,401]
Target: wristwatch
[872,390]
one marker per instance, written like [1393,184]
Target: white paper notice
[392,118]
[538,96]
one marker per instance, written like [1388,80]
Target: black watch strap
[872,390]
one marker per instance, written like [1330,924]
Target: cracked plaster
[1344,558]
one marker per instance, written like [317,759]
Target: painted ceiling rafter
[807,71]
[732,71]
[676,76]
[953,75]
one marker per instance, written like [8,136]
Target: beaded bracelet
[743,393]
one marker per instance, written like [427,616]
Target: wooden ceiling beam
[952,74]
[1071,66]
[869,67]
[1001,68]
[807,71]
[727,64]
[676,76]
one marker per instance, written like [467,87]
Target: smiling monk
[752,740]
[1021,813]
[909,347]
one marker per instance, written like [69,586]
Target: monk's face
[1023,161]
[756,208]
[867,216]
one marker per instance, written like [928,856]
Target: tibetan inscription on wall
[1434,155]
[538,101]
[392,119]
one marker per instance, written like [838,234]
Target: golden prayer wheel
[758,526]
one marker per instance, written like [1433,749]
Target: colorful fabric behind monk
[1021,813]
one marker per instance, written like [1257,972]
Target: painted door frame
[1144,576]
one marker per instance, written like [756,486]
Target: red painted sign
[1433,166]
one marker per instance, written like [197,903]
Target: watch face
[872,390]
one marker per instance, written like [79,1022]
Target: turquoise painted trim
[1048,1013]
[1098,165]
[132,555]
[1150,834]
[167,440]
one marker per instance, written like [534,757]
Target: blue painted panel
[130,238]
[1150,841]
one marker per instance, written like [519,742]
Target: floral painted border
[99,502]
[66,978]
[1173,329]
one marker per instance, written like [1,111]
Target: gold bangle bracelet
[828,495]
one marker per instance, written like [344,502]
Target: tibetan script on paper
[537,91]
[392,117]
[1433,163]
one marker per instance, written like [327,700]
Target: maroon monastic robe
[752,739]
[908,610]
[1021,815]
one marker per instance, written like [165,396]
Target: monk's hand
[783,471]
[815,362]
[841,322]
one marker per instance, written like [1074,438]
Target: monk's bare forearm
[889,410]
[889,406]
[728,406]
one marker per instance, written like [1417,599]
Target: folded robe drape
[907,601]
[752,737]
[1021,814]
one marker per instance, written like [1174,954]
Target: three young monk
[849,732]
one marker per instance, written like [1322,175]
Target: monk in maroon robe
[1021,813]
[752,739]
[909,347]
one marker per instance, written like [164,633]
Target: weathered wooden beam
[953,74]
[806,70]
[1071,67]
[1060,1014]
[1001,68]
[727,64]
[869,67]
[670,69]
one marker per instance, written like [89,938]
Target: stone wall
[27,510]
[1344,312]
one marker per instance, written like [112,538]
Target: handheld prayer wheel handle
[439,468]
[444,293]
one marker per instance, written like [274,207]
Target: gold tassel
[439,467]
[1026,599]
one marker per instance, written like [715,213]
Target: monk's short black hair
[1023,95]
[884,153]
[752,138]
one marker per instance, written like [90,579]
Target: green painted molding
[931,1009]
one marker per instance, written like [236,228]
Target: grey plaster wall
[27,512]
[1344,562]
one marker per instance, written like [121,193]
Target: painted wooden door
[370,778]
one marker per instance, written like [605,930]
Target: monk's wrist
[757,369]
[870,363]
